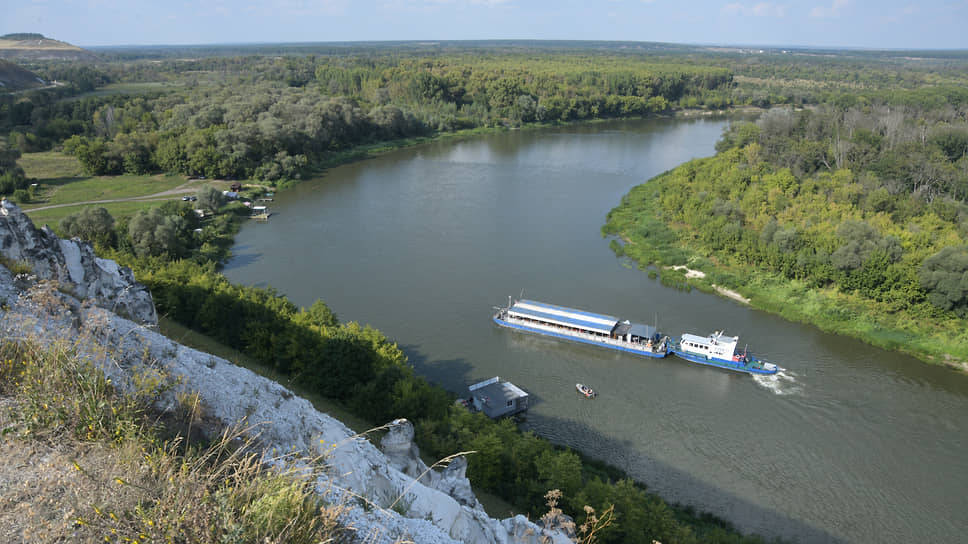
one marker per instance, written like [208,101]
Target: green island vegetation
[853,219]
[272,115]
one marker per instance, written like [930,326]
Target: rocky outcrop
[402,454]
[74,266]
[396,496]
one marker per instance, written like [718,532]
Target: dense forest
[857,193]
[271,119]
[859,212]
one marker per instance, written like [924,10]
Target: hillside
[13,77]
[37,47]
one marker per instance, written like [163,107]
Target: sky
[883,24]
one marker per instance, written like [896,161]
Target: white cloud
[821,12]
[762,9]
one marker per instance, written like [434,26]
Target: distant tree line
[271,119]
[22,36]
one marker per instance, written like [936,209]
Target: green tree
[560,470]
[944,276]
[320,315]
[152,233]
[12,175]
[94,224]
[210,198]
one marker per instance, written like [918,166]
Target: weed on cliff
[91,466]
[16,267]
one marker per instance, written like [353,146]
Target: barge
[581,326]
[720,351]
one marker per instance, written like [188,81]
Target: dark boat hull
[750,368]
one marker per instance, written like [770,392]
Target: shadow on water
[423,366]
[461,371]
[793,530]
[243,255]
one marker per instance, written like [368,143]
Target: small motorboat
[585,390]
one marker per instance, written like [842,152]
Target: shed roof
[561,315]
[494,394]
[642,331]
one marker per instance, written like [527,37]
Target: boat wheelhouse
[581,326]
[720,351]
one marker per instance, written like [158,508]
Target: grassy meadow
[62,183]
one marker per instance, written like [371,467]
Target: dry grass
[87,464]
[587,532]
[50,165]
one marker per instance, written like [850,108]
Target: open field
[64,188]
[131,88]
[126,208]
[63,181]
[41,44]
[50,165]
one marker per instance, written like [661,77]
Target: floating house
[497,398]
[260,213]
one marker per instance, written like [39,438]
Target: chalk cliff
[73,265]
[437,506]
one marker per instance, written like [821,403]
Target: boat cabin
[635,332]
[715,345]
[497,398]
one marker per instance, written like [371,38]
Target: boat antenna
[521,296]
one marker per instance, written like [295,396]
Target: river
[848,444]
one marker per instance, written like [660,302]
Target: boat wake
[783,382]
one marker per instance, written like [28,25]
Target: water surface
[850,443]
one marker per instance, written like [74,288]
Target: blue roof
[564,316]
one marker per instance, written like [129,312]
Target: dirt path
[186,188]
[721,290]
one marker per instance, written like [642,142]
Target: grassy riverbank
[645,233]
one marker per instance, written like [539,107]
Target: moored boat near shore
[720,351]
[586,327]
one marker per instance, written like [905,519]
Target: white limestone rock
[72,264]
[402,453]
[356,471]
